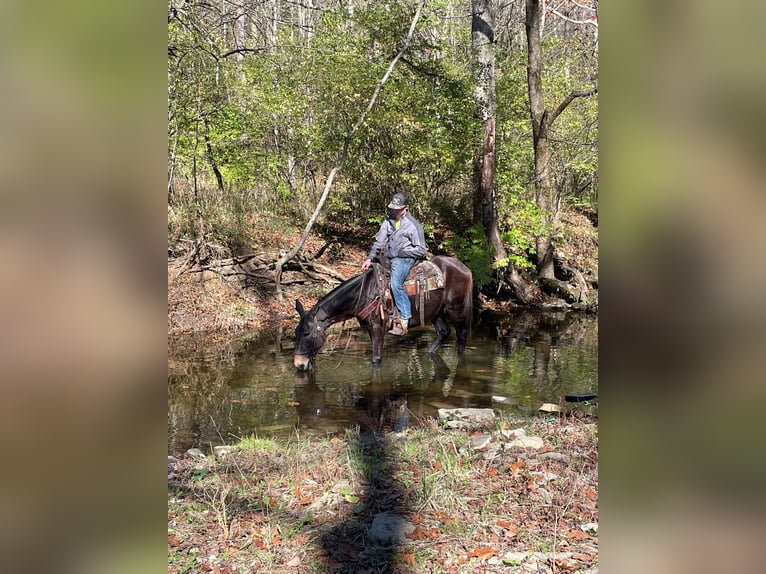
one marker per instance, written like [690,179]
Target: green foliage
[376,219]
[224,223]
[338,208]
[473,250]
[523,223]
[573,139]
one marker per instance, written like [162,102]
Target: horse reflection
[310,402]
[381,407]
[384,405]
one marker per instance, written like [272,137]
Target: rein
[364,313]
[348,342]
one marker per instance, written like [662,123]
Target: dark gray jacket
[407,241]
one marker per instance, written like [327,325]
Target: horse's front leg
[376,330]
[378,335]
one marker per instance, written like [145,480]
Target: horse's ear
[299,308]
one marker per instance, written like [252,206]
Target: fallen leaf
[306,500]
[567,564]
[172,540]
[417,534]
[578,534]
[508,526]
[482,553]
[409,558]
[334,440]
[293,404]
[491,471]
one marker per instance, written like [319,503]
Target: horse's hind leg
[461,331]
[442,332]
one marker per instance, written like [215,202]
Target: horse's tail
[468,303]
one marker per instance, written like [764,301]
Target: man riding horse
[401,240]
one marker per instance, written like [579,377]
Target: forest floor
[429,499]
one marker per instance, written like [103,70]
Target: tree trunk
[542,120]
[483,14]
[211,158]
[274,28]
[240,40]
[483,44]
[544,189]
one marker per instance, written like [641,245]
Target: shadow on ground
[370,540]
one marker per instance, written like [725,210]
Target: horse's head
[310,335]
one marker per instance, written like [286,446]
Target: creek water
[220,392]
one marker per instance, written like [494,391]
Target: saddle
[422,278]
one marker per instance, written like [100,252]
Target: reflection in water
[218,393]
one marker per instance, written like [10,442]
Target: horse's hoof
[376,360]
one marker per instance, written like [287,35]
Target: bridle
[316,328]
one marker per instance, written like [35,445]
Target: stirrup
[400,328]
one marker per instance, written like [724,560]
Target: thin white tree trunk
[343,156]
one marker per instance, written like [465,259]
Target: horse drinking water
[361,297]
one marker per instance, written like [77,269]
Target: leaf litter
[308,506]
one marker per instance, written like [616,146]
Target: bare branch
[344,154]
[568,100]
[589,8]
[240,51]
[593,22]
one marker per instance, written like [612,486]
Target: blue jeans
[400,266]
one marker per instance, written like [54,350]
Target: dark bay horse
[360,297]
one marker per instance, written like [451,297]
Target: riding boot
[400,327]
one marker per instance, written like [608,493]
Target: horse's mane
[342,290]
